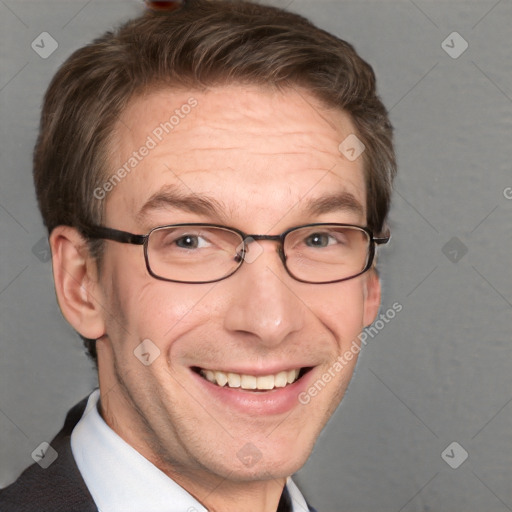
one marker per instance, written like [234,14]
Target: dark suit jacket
[60,487]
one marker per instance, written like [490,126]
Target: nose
[263,299]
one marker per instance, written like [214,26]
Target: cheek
[340,308]
[145,308]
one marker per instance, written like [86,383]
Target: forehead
[248,150]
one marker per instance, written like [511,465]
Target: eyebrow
[342,201]
[172,197]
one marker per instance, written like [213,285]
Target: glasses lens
[319,254]
[193,254]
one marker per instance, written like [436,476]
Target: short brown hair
[202,44]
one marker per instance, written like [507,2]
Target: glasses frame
[104,233]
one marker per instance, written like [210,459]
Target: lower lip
[275,401]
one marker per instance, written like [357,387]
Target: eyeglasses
[205,253]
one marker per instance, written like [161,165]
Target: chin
[271,470]
[273,461]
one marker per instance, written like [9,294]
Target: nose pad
[282,255]
[249,250]
[241,252]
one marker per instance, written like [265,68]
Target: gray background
[439,371]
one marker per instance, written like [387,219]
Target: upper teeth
[264,382]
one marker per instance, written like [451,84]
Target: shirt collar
[120,478]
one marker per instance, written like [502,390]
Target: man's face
[261,159]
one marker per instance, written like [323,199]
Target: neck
[229,496]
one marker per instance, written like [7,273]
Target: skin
[261,154]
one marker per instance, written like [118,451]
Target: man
[215,180]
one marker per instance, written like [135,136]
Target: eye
[191,242]
[320,240]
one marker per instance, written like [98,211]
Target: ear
[372,297]
[76,282]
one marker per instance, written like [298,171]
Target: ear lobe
[372,297]
[76,285]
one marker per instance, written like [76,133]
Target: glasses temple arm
[101,232]
[379,240]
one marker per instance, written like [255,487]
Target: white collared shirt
[120,479]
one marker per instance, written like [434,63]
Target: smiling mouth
[252,382]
